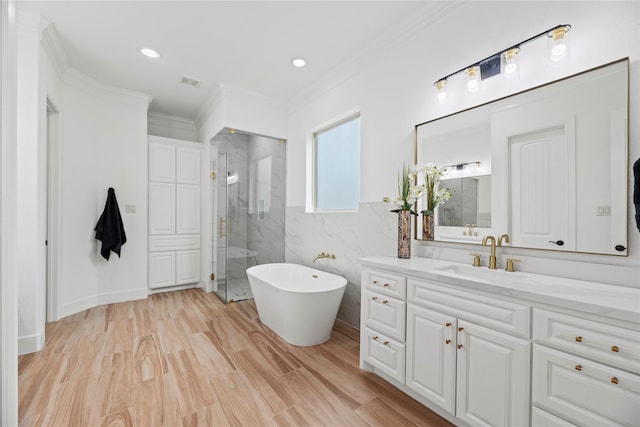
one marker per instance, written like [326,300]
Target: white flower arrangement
[435,196]
[408,194]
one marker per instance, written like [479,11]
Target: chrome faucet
[503,237]
[323,255]
[492,258]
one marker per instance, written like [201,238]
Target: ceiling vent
[190,81]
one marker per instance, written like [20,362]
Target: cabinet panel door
[187,165]
[493,377]
[162,208]
[162,162]
[187,267]
[187,209]
[431,356]
[588,392]
[162,269]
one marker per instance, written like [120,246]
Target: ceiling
[248,44]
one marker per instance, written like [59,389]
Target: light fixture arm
[496,56]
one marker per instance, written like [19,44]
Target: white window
[336,166]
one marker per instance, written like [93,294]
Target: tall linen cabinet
[174,212]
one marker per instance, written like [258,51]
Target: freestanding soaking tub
[298,303]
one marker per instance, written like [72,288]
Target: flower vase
[428,222]
[404,234]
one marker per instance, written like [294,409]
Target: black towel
[636,191]
[109,228]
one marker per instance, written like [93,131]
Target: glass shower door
[221,227]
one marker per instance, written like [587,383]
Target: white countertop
[618,302]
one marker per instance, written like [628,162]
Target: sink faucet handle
[476,259]
[510,262]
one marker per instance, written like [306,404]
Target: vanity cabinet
[174,212]
[446,348]
[584,371]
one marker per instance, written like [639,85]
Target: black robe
[636,191]
[109,228]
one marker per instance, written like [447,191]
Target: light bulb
[558,46]
[473,78]
[442,92]
[510,63]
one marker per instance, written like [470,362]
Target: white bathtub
[298,303]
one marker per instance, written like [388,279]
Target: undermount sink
[499,277]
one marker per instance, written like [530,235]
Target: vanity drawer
[385,283]
[384,353]
[606,343]
[540,418]
[497,314]
[384,314]
[586,392]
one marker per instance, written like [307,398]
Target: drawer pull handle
[375,282]
[615,348]
[579,338]
[385,302]
[385,285]
[385,342]
[578,367]
[460,329]
[447,341]
[459,346]
[374,298]
[614,380]
[447,324]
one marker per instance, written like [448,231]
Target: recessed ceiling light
[298,62]
[150,53]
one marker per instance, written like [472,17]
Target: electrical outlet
[130,208]
[603,211]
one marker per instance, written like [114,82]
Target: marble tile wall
[349,235]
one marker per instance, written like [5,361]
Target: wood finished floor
[185,359]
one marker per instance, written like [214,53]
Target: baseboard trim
[30,343]
[101,299]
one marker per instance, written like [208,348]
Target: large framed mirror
[548,166]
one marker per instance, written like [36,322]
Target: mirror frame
[628,102]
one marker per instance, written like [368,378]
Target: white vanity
[487,347]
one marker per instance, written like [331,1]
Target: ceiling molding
[209,107]
[397,35]
[93,87]
[52,46]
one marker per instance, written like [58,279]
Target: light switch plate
[130,208]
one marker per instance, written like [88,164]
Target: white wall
[8,241]
[172,127]
[395,92]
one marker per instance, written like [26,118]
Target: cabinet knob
[459,346]
[385,285]
[447,324]
[375,282]
[374,298]
[447,341]
[385,302]
[578,367]
[615,348]
[579,338]
[460,329]
[614,380]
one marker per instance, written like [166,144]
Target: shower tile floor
[238,290]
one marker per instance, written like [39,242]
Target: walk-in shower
[248,207]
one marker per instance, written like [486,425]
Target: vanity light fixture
[150,53]
[505,62]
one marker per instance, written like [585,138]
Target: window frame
[312,176]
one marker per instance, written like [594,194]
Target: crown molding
[53,48]
[210,105]
[78,80]
[401,33]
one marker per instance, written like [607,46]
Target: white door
[162,269]
[162,208]
[542,213]
[493,377]
[187,267]
[162,162]
[431,356]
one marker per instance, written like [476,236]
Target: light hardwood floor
[185,359]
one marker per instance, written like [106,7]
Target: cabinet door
[162,269]
[188,209]
[187,267]
[493,377]
[431,356]
[187,165]
[162,162]
[162,208]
